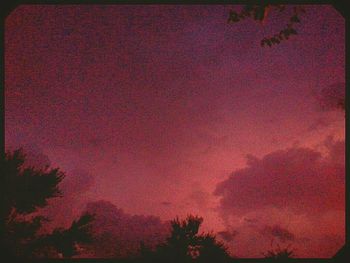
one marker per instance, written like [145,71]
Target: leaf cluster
[256,12]
[66,241]
[260,12]
[185,244]
[279,253]
[25,189]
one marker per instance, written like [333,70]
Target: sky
[161,111]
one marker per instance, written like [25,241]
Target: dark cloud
[332,97]
[297,178]
[228,236]
[304,233]
[279,232]
[118,234]
[319,124]
[294,195]
[336,150]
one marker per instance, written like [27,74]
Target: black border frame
[6,7]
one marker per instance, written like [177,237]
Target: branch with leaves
[66,241]
[260,13]
[185,244]
[25,189]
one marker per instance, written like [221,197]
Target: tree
[66,241]
[25,190]
[260,13]
[211,250]
[185,244]
[279,253]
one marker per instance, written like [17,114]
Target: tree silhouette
[211,250]
[279,253]
[260,13]
[25,189]
[65,240]
[186,245]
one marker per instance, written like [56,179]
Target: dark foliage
[260,12]
[279,253]
[211,250]
[186,245]
[25,189]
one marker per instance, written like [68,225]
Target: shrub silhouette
[25,189]
[212,250]
[186,245]
[279,253]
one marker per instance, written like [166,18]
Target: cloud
[336,151]
[293,196]
[269,227]
[297,178]
[118,234]
[278,232]
[332,97]
[228,236]
[320,124]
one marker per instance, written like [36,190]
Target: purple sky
[156,108]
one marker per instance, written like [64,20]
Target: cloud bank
[118,234]
[291,196]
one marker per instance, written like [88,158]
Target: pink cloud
[297,178]
[293,196]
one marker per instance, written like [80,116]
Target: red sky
[168,110]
